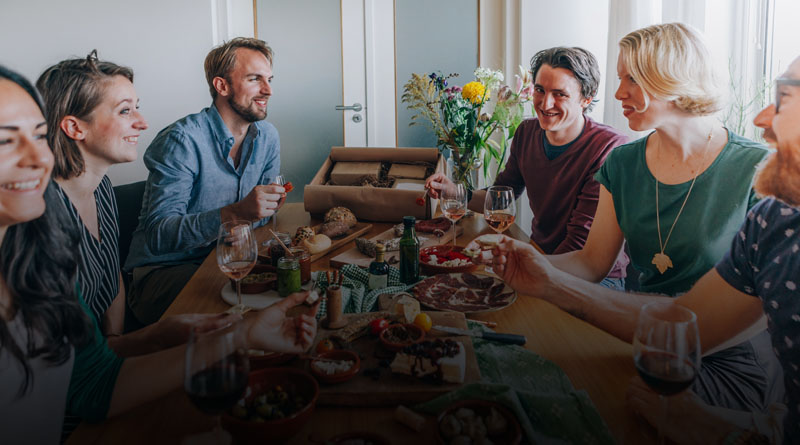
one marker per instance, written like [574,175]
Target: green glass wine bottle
[409,252]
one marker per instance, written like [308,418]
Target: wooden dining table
[594,361]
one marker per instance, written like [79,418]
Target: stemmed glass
[237,252]
[666,351]
[454,205]
[499,208]
[281,181]
[215,377]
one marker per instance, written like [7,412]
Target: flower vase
[465,171]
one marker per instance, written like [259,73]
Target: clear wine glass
[499,208]
[237,252]
[454,205]
[666,351]
[215,378]
[281,181]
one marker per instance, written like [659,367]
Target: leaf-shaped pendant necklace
[661,260]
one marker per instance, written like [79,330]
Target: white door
[368,88]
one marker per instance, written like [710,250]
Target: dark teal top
[717,206]
[94,375]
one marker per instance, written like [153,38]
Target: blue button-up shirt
[192,176]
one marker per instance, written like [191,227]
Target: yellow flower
[473,92]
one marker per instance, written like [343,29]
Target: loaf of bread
[334,228]
[317,243]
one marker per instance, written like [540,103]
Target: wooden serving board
[390,388]
[354,256]
[357,230]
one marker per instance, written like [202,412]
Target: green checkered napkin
[355,294]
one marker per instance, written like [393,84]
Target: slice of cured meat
[464,293]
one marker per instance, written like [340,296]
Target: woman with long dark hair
[52,355]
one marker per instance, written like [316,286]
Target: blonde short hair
[671,62]
[221,60]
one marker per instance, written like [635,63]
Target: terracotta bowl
[294,381]
[338,377]
[269,359]
[258,286]
[512,434]
[430,269]
[355,437]
[414,333]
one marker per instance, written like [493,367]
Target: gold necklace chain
[661,260]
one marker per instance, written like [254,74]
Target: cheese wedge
[453,368]
[407,307]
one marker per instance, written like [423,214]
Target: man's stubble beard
[779,176]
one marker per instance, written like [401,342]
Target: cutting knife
[512,339]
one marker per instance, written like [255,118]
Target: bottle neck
[379,257]
[409,232]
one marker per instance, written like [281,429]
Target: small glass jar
[288,276]
[276,251]
[304,258]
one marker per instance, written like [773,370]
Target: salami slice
[464,293]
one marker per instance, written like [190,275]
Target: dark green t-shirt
[714,211]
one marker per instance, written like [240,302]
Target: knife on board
[512,339]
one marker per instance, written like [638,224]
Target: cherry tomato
[325,346]
[288,187]
[423,321]
[420,202]
[378,325]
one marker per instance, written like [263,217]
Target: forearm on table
[136,343]
[612,311]
[580,264]
[174,233]
[114,318]
[148,377]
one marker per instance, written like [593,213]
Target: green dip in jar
[288,276]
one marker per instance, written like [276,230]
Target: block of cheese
[416,361]
[407,171]
[407,307]
[351,173]
[417,185]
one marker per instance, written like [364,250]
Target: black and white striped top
[98,269]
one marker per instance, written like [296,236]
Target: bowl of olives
[276,405]
[262,278]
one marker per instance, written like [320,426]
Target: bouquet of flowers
[462,119]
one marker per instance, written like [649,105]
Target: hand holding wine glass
[499,208]
[666,350]
[454,205]
[237,252]
[215,378]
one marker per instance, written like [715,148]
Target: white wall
[164,42]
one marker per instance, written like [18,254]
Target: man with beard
[205,169]
[759,275]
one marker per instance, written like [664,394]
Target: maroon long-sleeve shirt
[563,193]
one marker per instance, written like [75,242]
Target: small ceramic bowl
[431,269]
[295,381]
[261,359]
[511,434]
[337,377]
[398,336]
[257,287]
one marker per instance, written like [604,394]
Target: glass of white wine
[237,252]
[499,208]
[281,181]
[454,205]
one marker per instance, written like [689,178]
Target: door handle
[355,107]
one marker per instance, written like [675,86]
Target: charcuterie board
[354,256]
[390,388]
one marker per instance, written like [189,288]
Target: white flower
[489,77]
